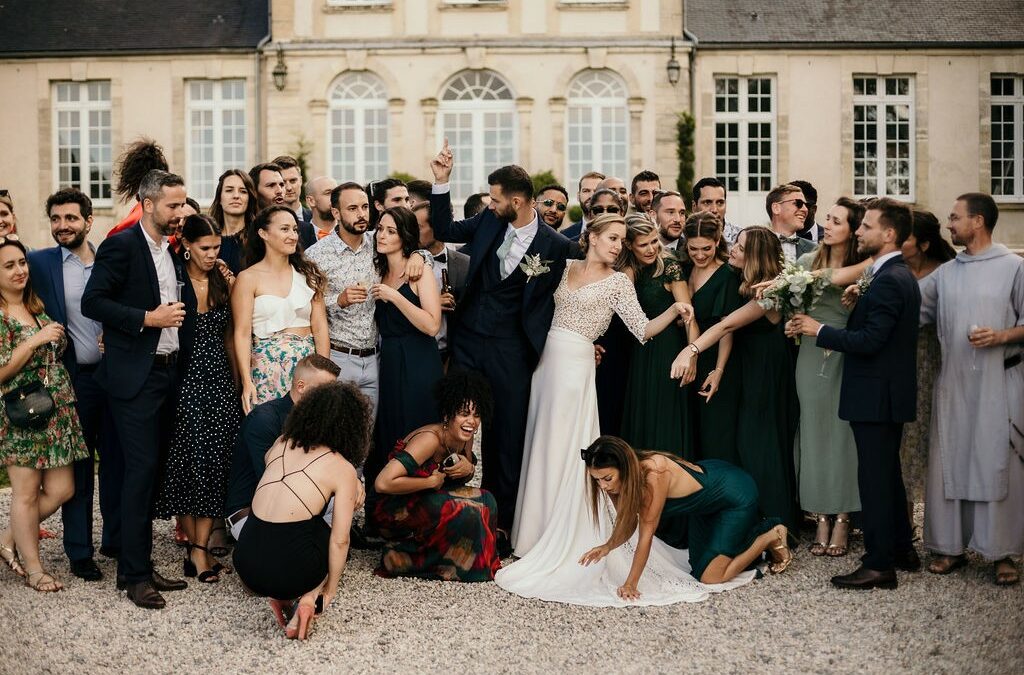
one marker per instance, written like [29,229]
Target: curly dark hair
[408,231]
[138,159]
[255,248]
[334,415]
[461,389]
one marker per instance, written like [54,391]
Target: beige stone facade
[543,63]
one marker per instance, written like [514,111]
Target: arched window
[478,116]
[598,121]
[357,130]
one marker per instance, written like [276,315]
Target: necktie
[504,249]
[441,257]
[789,240]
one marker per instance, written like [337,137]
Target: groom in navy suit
[504,313]
[879,390]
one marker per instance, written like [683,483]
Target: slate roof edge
[846,46]
[178,51]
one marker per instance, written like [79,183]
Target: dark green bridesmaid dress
[715,420]
[768,416]
[656,415]
[722,516]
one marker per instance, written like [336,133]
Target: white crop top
[272,313]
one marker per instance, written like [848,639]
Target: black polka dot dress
[206,425]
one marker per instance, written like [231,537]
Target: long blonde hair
[762,258]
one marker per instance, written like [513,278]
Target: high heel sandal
[785,555]
[835,550]
[10,558]
[818,548]
[189,569]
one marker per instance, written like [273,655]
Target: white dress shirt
[521,244]
[167,280]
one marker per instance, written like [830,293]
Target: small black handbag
[29,406]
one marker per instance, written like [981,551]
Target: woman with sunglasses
[38,457]
[653,492]
[605,201]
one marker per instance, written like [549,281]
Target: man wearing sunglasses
[552,203]
[787,209]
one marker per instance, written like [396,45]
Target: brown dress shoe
[144,595]
[908,561]
[864,579]
[162,583]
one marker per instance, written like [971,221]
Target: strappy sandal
[10,558]
[784,557]
[210,576]
[837,550]
[42,585]
[819,547]
[1007,577]
[220,540]
[947,563]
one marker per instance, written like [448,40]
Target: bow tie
[789,240]
[441,257]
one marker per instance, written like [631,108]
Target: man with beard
[346,259]
[552,203]
[133,292]
[642,189]
[269,185]
[669,214]
[586,187]
[59,275]
[318,199]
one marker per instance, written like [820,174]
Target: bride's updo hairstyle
[611,452]
[597,226]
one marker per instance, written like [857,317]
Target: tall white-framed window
[1008,138]
[216,131]
[478,117]
[81,142]
[598,126]
[357,127]
[883,136]
[745,142]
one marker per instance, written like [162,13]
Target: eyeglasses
[13,236]
[548,203]
[799,203]
[598,210]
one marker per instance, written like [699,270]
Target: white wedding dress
[553,527]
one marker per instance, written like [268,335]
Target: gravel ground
[794,622]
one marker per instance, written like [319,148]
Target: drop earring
[187,255]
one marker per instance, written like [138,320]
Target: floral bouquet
[794,291]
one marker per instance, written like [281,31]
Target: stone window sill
[593,5]
[371,6]
[499,5]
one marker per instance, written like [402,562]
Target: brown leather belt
[165,360]
[353,352]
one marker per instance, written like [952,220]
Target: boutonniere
[533,266]
[864,281]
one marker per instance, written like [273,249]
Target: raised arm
[446,228]
[844,276]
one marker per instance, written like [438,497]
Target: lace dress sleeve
[628,308]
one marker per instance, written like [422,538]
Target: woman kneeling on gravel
[286,550]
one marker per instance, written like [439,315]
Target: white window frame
[218,105]
[742,117]
[881,100]
[359,3]
[83,106]
[597,105]
[1017,102]
[478,108]
[359,107]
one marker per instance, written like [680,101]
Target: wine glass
[824,359]
[974,350]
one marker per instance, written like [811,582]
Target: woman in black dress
[408,316]
[234,207]
[209,411]
[287,551]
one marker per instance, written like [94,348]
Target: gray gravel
[795,622]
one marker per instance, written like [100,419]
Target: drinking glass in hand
[974,353]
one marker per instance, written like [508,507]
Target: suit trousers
[144,429]
[883,497]
[505,364]
[93,411]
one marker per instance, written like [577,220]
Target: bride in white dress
[553,527]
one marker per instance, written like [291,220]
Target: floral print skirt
[273,360]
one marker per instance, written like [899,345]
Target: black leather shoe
[110,552]
[86,569]
[908,561]
[864,579]
[503,545]
[162,583]
[144,595]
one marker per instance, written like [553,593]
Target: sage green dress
[825,453]
[656,415]
[715,420]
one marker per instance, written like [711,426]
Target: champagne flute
[974,350]
[824,359]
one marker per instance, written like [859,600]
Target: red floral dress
[446,534]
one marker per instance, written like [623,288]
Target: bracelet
[714,370]
[693,348]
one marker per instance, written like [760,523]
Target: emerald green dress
[715,420]
[826,455]
[722,516]
[766,420]
[656,415]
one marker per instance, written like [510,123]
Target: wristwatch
[693,348]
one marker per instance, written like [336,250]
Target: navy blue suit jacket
[307,230]
[259,430]
[122,288]
[573,232]
[880,346]
[479,234]
[46,269]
